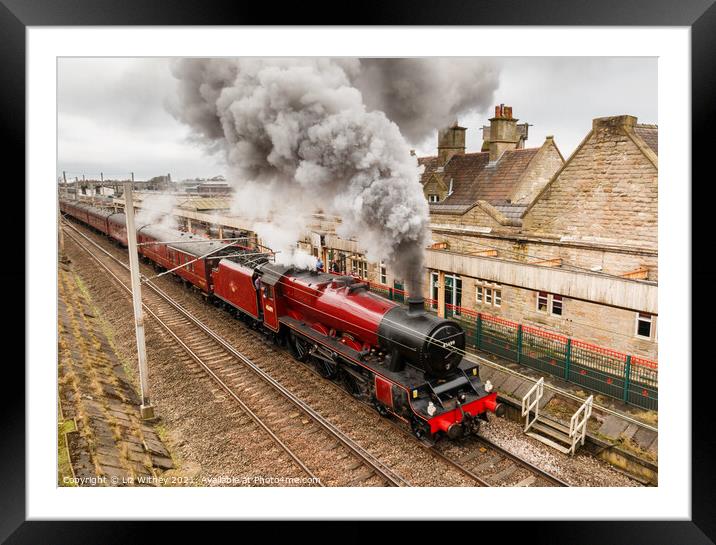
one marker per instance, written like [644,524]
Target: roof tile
[650,135]
[475,178]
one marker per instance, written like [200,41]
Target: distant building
[212,187]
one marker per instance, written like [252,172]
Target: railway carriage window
[542,301]
[643,325]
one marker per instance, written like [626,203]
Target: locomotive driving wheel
[325,369]
[299,347]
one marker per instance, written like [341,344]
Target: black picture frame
[699,15]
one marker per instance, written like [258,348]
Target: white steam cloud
[302,135]
[156,209]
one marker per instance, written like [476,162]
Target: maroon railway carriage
[117,228]
[193,257]
[75,209]
[98,218]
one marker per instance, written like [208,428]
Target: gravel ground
[578,470]
[208,436]
[362,423]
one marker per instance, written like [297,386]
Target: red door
[268,301]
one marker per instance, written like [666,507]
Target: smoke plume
[156,209]
[423,95]
[302,135]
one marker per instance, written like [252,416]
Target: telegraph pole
[61,235]
[146,408]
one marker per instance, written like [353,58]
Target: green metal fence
[632,379]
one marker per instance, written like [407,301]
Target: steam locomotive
[403,360]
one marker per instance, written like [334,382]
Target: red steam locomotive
[402,360]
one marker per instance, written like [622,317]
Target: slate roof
[474,178]
[206,203]
[511,211]
[649,134]
[195,245]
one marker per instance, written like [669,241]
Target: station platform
[102,441]
[622,434]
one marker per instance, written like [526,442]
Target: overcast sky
[112,116]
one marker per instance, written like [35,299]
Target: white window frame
[486,293]
[383,274]
[361,267]
[549,298]
[652,325]
[432,197]
[551,305]
[546,300]
[455,279]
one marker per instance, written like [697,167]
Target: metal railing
[578,424]
[629,378]
[529,404]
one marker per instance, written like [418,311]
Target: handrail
[528,406]
[577,426]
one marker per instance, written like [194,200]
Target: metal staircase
[558,436]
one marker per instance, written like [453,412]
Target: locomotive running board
[409,378]
[451,385]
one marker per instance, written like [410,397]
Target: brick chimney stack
[451,142]
[503,132]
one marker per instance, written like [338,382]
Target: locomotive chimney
[416,305]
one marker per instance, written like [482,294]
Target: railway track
[486,463]
[284,417]
[476,459]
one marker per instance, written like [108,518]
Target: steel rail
[451,461]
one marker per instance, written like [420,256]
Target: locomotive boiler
[407,361]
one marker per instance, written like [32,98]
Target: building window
[433,198]
[383,274]
[643,325]
[557,305]
[488,293]
[360,268]
[548,302]
[542,300]
[453,295]
[434,287]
